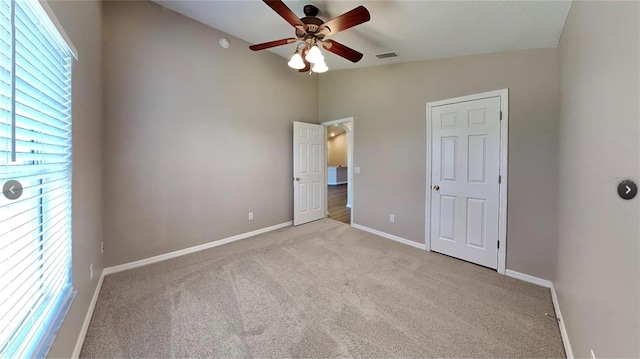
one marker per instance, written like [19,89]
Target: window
[35,151]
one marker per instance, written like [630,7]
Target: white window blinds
[35,151]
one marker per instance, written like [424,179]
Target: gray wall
[389,106]
[82,22]
[597,277]
[196,136]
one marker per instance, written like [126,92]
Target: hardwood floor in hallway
[337,199]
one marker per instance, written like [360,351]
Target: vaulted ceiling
[415,30]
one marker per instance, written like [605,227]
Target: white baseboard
[388,236]
[87,319]
[143,262]
[336,183]
[563,328]
[182,252]
[556,306]
[119,268]
[529,278]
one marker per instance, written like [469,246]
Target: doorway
[466,190]
[339,150]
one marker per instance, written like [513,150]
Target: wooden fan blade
[341,50]
[345,21]
[286,13]
[271,44]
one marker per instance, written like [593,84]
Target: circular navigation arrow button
[627,189]
[12,189]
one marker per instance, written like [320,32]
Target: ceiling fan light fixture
[314,55]
[320,67]
[296,62]
[311,31]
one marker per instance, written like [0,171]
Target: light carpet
[321,290]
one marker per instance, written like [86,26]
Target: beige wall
[82,22]
[597,277]
[389,106]
[197,136]
[338,150]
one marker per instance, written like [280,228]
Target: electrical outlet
[102,248]
[250,216]
[593,355]
[91,271]
[392,218]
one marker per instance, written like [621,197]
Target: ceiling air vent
[387,55]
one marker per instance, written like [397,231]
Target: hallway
[337,198]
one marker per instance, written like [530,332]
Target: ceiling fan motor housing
[312,22]
[310,10]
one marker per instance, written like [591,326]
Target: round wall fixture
[224,43]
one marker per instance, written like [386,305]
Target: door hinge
[499,178]
[498,244]
[500,115]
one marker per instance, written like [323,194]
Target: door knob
[436,187]
[298,179]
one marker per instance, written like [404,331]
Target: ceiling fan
[311,32]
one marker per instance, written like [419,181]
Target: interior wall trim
[388,236]
[529,278]
[87,319]
[119,268]
[182,252]
[160,258]
[556,305]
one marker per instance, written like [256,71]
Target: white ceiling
[415,30]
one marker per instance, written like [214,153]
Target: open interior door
[309,173]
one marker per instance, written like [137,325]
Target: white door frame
[350,181]
[504,148]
